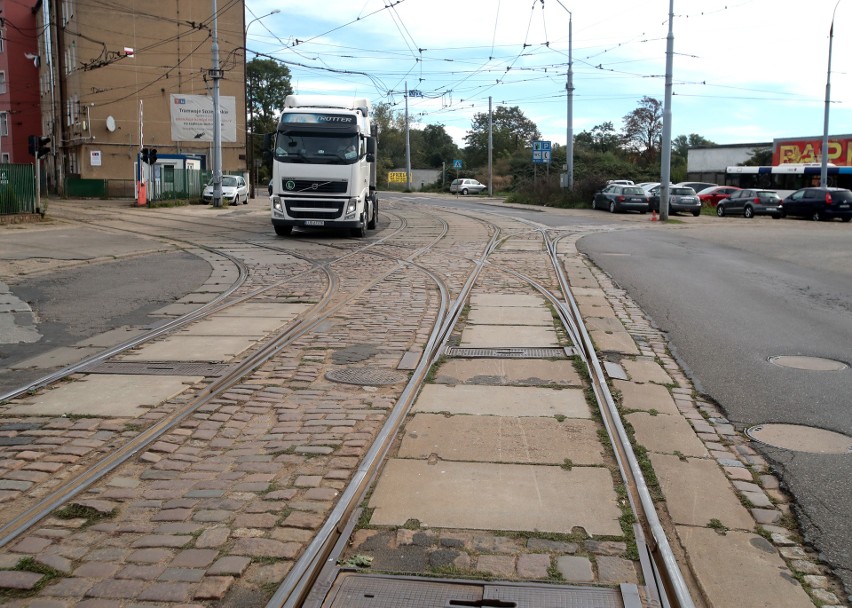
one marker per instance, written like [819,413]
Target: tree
[602,138]
[267,83]
[436,147]
[760,157]
[681,145]
[643,129]
[512,132]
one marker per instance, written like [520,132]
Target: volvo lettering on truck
[324,165]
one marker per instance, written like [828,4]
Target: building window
[5,158]
[2,40]
[4,123]
[2,83]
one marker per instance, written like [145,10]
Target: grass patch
[560,417]
[77,511]
[717,525]
[173,203]
[567,464]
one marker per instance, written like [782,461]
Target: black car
[819,204]
[681,198]
[750,202]
[615,198]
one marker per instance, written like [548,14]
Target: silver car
[234,191]
[681,198]
[466,186]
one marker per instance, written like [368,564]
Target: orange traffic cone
[653,215]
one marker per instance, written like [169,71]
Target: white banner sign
[192,118]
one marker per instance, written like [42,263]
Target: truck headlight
[277,204]
[353,204]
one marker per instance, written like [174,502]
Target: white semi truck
[324,165]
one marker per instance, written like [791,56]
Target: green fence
[17,189]
[76,187]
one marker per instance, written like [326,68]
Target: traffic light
[152,156]
[145,155]
[43,146]
[32,144]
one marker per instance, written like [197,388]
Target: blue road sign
[540,152]
[457,164]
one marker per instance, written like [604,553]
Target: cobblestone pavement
[215,512]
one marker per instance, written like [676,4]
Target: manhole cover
[365,376]
[814,364]
[800,438]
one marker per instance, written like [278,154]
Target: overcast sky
[744,70]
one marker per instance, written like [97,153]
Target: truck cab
[324,166]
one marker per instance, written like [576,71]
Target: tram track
[666,586]
[300,326]
[453,296]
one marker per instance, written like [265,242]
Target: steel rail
[297,584]
[216,305]
[674,582]
[80,482]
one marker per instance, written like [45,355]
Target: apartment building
[120,75]
[19,69]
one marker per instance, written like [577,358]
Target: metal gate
[17,189]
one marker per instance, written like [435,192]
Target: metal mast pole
[823,172]
[490,149]
[569,87]
[666,152]
[216,75]
[407,144]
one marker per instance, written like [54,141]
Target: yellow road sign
[397,176]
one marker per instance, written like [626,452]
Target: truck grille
[311,185]
[308,209]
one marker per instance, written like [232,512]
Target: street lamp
[250,104]
[823,172]
[569,87]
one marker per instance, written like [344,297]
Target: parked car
[620,182]
[466,186]
[648,186]
[819,204]
[681,198]
[615,198]
[750,202]
[712,195]
[234,191]
[697,186]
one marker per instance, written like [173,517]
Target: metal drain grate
[511,353]
[372,591]
[159,368]
[365,376]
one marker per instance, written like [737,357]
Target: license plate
[314,223]
[844,206]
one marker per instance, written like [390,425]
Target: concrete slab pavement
[103,395]
[524,440]
[503,401]
[488,496]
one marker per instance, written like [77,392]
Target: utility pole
[216,74]
[666,152]
[569,87]
[490,145]
[407,144]
[823,172]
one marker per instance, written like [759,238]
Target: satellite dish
[110,124]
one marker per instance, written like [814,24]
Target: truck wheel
[375,217]
[361,231]
[283,230]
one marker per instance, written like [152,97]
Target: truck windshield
[317,148]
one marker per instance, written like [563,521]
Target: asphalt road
[83,301]
[734,293]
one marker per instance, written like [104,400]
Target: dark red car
[711,196]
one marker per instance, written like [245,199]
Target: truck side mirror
[371,147]
[371,158]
